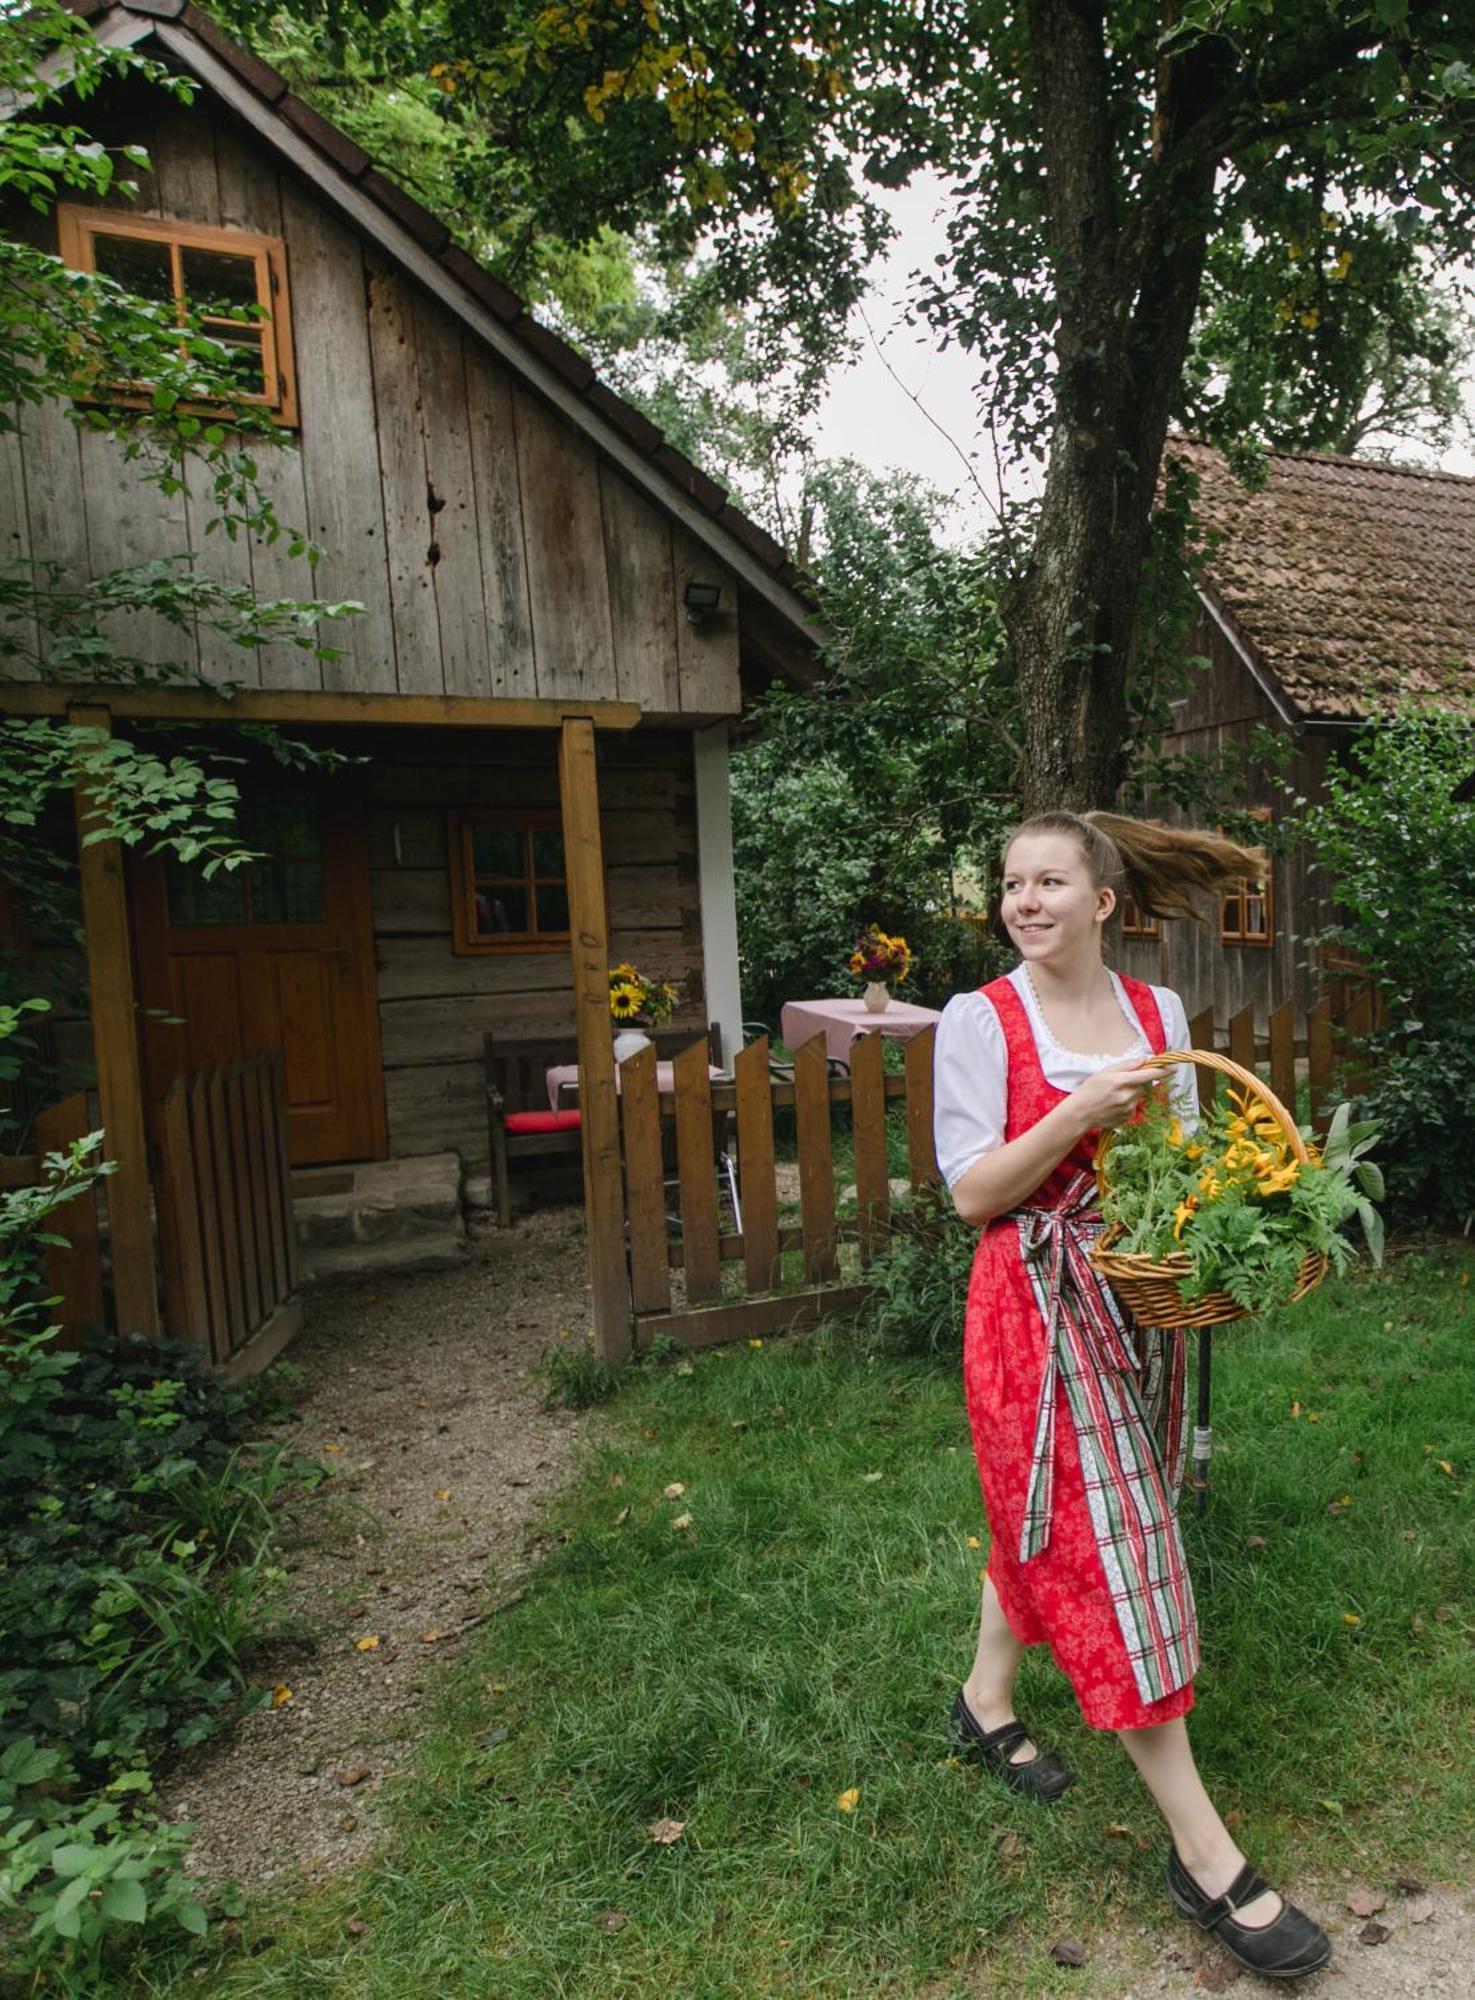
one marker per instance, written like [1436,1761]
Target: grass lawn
[803,1637]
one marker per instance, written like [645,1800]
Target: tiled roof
[1351,583]
[432,236]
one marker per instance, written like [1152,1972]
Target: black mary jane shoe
[1039,1777]
[1290,1947]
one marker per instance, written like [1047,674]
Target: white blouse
[971,1065]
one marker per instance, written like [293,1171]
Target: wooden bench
[520,1123]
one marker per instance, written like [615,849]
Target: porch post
[115,1053]
[604,1199]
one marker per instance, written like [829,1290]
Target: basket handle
[1170,1058]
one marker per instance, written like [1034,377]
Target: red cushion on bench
[543,1121]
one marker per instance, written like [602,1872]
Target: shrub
[1400,852]
[917,1289]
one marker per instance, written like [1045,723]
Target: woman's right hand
[1110,1096]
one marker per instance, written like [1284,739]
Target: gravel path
[422,1398]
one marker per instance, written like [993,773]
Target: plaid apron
[1086,1551]
[1129,1425]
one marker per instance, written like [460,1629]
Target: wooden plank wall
[1226,706]
[434,1006]
[492,549]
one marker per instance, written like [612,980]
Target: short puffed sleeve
[970,1084]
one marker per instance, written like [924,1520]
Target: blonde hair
[1159,866]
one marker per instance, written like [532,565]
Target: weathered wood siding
[493,549]
[1226,706]
[434,1006]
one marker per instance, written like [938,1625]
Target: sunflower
[625,1002]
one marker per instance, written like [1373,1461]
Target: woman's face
[1051,908]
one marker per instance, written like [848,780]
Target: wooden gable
[495,548]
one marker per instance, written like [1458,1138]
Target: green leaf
[125,1902]
[194,1919]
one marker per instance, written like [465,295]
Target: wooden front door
[276,954]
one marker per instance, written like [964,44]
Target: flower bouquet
[1239,1216]
[879,957]
[633,997]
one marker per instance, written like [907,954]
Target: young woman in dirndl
[1077,1416]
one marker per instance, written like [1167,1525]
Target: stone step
[377,1202]
[356,1263]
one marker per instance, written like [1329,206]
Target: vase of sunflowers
[1238,1216]
[878,959]
[637,1002]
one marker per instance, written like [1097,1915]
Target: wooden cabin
[1333,592]
[562,617]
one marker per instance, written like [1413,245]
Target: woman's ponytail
[1159,866]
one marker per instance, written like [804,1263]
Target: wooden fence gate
[225,1213]
[770,1271]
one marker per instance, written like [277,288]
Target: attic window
[1247,911]
[236,282]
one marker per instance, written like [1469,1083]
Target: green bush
[1400,854]
[917,1289]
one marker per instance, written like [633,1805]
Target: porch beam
[604,1195]
[115,1054]
[309,705]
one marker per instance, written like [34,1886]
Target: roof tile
[501,299]
[1352,580]
[642,433]
[555,350]
[427,229]
[691,478]
[253,72]
[339,148]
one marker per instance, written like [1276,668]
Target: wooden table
[840,1021]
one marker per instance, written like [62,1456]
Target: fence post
[1242,1038]
[186,1301]
[816,1159]
[645,1194]
[1319,1059]
[868,1124]
[1283,1054]
[1201,1036]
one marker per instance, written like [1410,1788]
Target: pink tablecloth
[840,1021]
[563,1073]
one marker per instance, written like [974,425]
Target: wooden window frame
[1135,922]
[1233,904]
[77,229]
[461,823]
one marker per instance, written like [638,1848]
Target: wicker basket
[1149,1286]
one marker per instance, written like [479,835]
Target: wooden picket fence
[224,1195]
[787,1274]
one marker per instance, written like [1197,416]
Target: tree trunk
[1128,270]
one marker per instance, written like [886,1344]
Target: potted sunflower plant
[637,1002]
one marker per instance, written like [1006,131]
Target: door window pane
[145,268]
[287,892]
[193,900]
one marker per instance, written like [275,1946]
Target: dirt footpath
[421,1397]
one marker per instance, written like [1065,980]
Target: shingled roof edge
[174,18]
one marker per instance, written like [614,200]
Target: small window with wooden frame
[232,281]
[509,885]
[1247,911]
[1137,922]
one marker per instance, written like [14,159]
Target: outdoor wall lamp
[703,601]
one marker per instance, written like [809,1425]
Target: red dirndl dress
[1077,1420]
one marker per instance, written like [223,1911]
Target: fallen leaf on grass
[1443,1613]
[1374,1934]
[1419,1910]
[368,1644]
[974,1543]
[355,1927]
[355,1774]
[348,1822]
[1409,1884]
[612,1920]
[1256,1542]
[1340,1506]
[429,1638]
[1118,1831]
[622,1517]
[870,1478]
[664,1831]
[1011,1845]
[682,1521]
[332,1447]
[849,1800]
[1445,1466]
[281,1694]
[1364,1902]
[443,1494]
[1350,1618]
[674,1491]
[755,1343]
[1068,1952]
